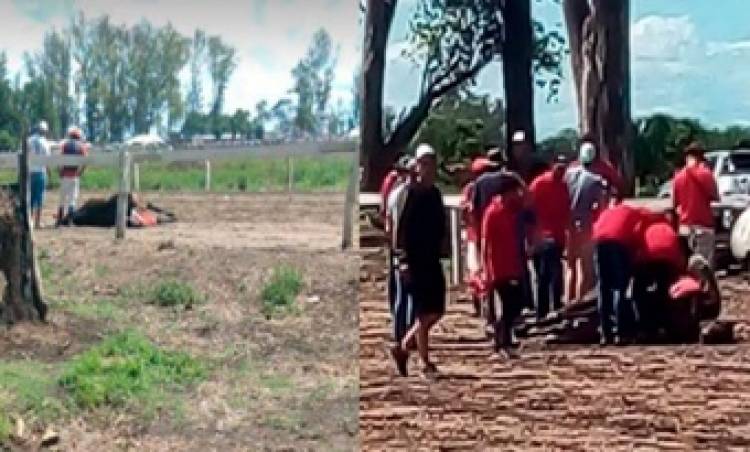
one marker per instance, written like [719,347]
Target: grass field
[324,173]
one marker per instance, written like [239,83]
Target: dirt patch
[554,398]
[269,379]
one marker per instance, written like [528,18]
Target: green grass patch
[98,310]
[124,368]
[169,293]
[281,290]
[28,389]
[5,426]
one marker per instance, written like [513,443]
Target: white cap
[519,136]
[424,149]
[587,153]
[42,126]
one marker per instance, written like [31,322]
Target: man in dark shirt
[421,234]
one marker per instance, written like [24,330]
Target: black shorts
[427,289]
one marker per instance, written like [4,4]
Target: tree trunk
[576,12]
[517,69]
[23,295]
[603,85]
[375,158]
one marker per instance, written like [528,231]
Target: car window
[738,163]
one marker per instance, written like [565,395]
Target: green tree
[197,61]
[221,63]
[463,126]
[313,77]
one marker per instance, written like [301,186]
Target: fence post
[290,173]
[136,177]
[351,202]
[122,198]
[208,175]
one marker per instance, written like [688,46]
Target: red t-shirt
[661,243]
[620,223]
[385,189]
[551,201]
[609,173]
[501,253]
[693,190]
[73,147]
[467,196]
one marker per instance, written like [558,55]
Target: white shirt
[395,206]
[38,145]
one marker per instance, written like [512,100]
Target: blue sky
[270,35]
[689,57]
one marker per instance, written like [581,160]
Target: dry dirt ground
[285,383]
[553,397]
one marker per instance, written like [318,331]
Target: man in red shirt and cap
[694,189]
[503,259]
[551,207]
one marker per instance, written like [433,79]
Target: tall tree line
[117,81]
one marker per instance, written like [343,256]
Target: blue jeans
[613,270]
[38,184]
[402,310]
[549,277]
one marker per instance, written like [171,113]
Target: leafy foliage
[126,367]
[281,290]
[313,77]
[175,293]
[463,126]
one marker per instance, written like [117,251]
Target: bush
[124,367]
[175,293]
[281,289]
[7,142]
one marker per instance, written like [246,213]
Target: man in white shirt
[37,145]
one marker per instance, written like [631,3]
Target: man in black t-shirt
[420,236]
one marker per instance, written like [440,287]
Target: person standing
[602,167]
[70,176]
[503,262]
[38,145]
[390,211]
[401,307]
[551,207]
[422,231]
[694,189]
[587,197]
[479,166]
[486,188]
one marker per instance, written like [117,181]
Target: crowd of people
[529,228]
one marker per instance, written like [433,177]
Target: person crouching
[616,234]
[660,263]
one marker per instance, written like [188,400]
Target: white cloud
[663,38]
[270,35]
[735,48]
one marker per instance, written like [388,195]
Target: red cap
[481,164]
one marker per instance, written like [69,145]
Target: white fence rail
[9,160]
[126,158]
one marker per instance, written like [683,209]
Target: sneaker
[401,358]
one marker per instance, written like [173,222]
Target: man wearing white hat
[38,145]
[587,195]
[421,234]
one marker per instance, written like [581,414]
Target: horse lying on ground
[687,318]
[103,213]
